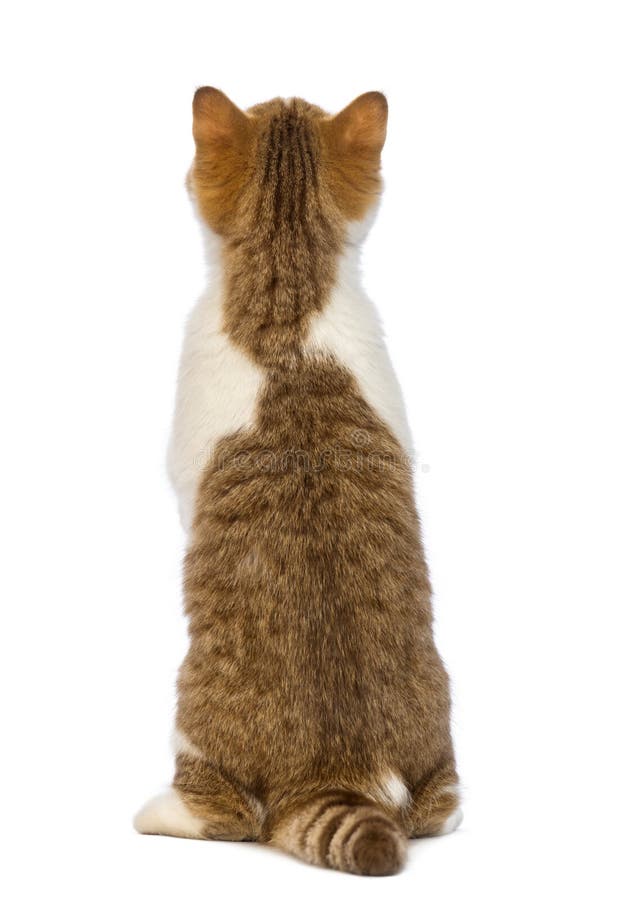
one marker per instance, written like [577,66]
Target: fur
[217,392]
[348,328]
[313,708]
[168,814]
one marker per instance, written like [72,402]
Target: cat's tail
[342,830]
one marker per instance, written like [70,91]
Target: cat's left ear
[361,127]
[216,120]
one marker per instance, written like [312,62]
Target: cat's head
[285,164]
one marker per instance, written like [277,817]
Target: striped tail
[342,831]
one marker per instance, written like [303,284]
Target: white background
[496,265]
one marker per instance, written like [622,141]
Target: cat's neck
[266,308]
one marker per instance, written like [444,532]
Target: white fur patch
[183,746]
[217,392]
[456,817]
[452,822]
[349,329]
[392,790]
[168,814]
[256,805]
[451,789]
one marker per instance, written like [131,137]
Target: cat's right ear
[353,140]
[362,126]
[216,120]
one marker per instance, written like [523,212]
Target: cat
[313,708]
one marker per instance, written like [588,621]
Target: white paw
[452,822]
[167,814]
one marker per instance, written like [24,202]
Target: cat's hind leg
[211,808]
[435,805]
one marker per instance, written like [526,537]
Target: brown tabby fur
[312,670]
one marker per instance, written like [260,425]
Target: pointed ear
[216,120]
[362,125]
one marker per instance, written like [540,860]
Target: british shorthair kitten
[313,707]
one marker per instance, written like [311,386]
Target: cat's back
[306,585]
